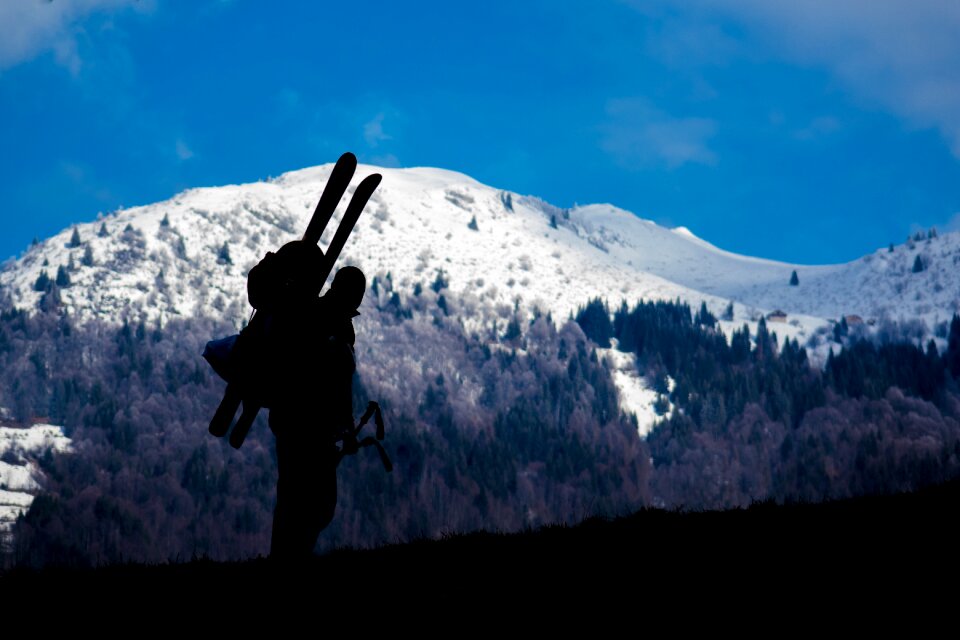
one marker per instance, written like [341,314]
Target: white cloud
[74,171]
[373,131]
[638,135]
[901,56]
[388,160]
[82,179]
[183,151]
[953,224]
[29,28]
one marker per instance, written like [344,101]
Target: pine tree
[890,250]
[440,282]
[103,233]
[764,345]
[918,265]
[43,281]
[953,347]
[553,221]
[662,405]
[180,248]
[794,280]
[704,317]
[841,329]
[75,239]
[513,329]
[223,256]
[473,224]
[728,312]
[166,221]
[87,259]
[594,320]
[63,277]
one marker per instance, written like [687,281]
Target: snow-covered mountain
[497,250]
[448,259]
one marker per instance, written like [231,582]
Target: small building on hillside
[776,316]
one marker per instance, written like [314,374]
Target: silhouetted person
[311,371]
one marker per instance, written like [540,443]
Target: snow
[12,504]
[17,477]
[35,439]
[417,224]
[636,397]
[20,479]
[524,254]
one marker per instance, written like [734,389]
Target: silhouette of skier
[312,369]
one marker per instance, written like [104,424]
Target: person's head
[348,288]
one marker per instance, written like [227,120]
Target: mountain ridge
[497,250]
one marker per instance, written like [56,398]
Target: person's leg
[306,494]
[281,544]
[323,493]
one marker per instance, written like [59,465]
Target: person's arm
[341,386]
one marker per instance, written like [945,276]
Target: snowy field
[20,478]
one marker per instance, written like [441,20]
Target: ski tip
[347,157]
[371,181]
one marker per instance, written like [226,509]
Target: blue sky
[811,131]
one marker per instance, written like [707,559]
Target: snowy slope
[881,284]
[636,396]
[416,225]
[498,251]
[19,476]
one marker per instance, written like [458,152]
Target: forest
[502,430]
[757,422]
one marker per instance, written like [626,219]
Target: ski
[360,197]
[222,419]
[242,428]
[336,186]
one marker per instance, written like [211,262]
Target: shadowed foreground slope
[881,545]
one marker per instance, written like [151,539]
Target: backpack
[290,272]
[244,359]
